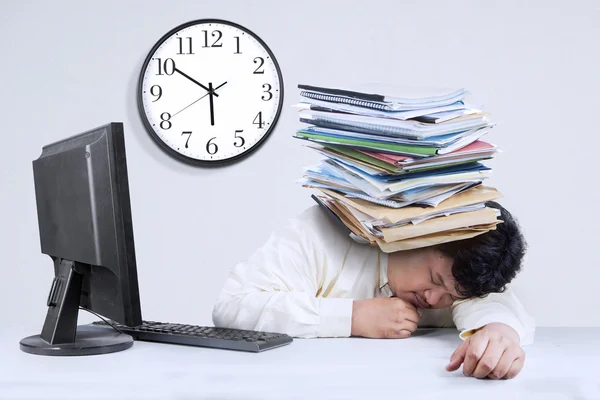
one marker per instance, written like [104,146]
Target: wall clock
[210,92]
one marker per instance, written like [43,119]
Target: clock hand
[193,80]
[212,108]
[190,105]
[195,101]
[212,111]
[219,86]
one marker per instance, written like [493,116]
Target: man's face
[422,277]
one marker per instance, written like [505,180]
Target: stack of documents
[402,167]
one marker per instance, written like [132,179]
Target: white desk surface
[563,363]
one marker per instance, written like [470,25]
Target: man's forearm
[297,314]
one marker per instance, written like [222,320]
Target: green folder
[351,153]
[372,144]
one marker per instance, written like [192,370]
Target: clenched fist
[384,318]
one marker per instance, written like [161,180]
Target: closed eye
[441,284]
[431,278]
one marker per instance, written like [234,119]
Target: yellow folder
[476,195]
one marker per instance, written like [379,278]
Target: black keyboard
[202,336]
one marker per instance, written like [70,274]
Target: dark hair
[488,262]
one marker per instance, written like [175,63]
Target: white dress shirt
[303,281]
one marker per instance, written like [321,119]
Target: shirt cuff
[335,317]
[465,334]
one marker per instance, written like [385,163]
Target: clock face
[210,91]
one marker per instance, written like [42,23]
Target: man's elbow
[228,312]
[220,317]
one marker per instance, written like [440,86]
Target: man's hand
[493,352]
[384,318]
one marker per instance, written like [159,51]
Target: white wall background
[67,66]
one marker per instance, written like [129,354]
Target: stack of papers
[402,167]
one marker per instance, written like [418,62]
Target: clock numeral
[159,95]
[237,46]
[189,133]
[214,146]
[213,34]
[261,61]
[260,122]
[267,91]
[166,68]
[239,137]
[189,45]
[165,123]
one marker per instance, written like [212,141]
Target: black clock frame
[168,149]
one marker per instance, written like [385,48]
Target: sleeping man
[310,279]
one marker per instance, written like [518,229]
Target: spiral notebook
[386,97]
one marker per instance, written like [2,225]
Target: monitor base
[90,340]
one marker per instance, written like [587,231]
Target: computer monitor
[84,218]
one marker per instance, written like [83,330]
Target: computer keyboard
[203,336]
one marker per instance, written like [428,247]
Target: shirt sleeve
[473,314]
[277,289]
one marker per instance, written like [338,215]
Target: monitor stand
[60,335]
